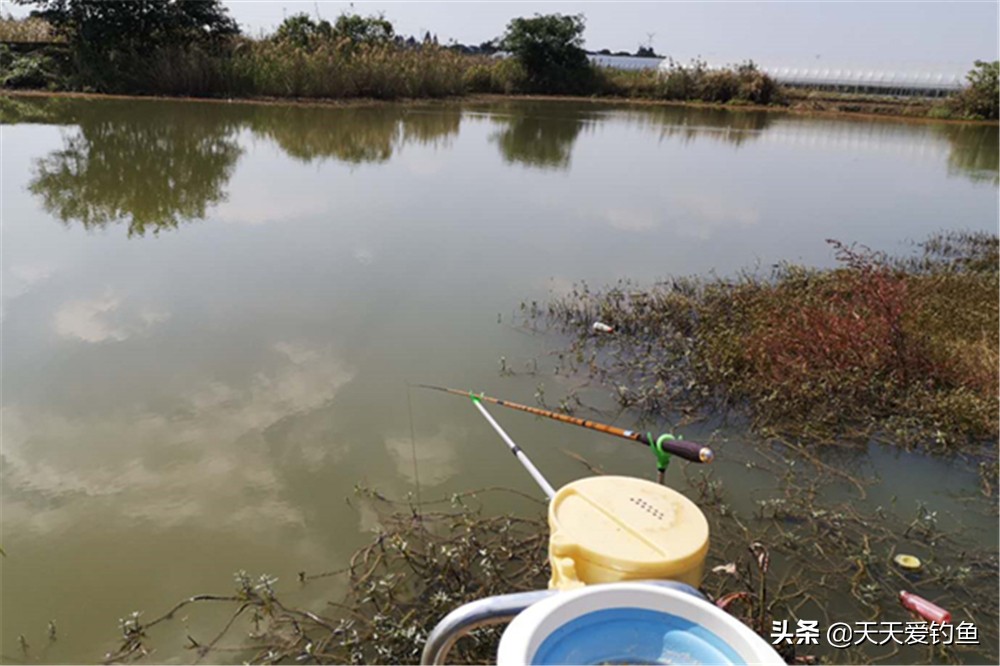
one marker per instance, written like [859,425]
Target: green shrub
[680,82]
[363,29]
[742,84]
[111,42]
[755,86]
[549,49]
[981,98]
[107,27]
[719,85]
[36,69]
[301,31]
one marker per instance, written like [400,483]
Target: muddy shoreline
[867,107]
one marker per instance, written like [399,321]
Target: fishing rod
[522,458]
[663,446]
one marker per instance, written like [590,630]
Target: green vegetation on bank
[194,48]
[29,30]
[550,55]
[742,84]
[981,98]
[903,350]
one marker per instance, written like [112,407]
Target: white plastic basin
[630,623]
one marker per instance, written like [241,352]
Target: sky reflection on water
[210,309]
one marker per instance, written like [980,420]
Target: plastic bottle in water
[925,609]
[601,327]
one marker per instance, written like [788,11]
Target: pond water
[211,310]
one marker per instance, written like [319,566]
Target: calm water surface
[210,312]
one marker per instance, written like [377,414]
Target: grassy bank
[255,69]
[344,70]
[901,350]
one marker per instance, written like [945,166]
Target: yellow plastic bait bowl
[605,529]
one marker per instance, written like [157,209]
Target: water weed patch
[904,349]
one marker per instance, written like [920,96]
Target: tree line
[193,47]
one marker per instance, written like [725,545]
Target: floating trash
[908,562]
[925,609]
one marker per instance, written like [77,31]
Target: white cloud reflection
[363,255]
[633,220]
[436,456]
[21,277]
[203,461]
[255,206]
[104,318]
[702,216]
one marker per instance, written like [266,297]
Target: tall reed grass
[331,71]
[26,30]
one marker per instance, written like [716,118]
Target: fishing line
[413,442]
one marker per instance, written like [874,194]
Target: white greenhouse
[933,81]
[926,82]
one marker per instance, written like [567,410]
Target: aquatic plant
[905,350]
[796,556]
[423,561]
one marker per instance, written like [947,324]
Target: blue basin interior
[633,636]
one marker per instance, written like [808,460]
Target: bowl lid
[627,524]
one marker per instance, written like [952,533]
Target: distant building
[916,82]
[623,60]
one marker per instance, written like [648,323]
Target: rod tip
[706,455]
